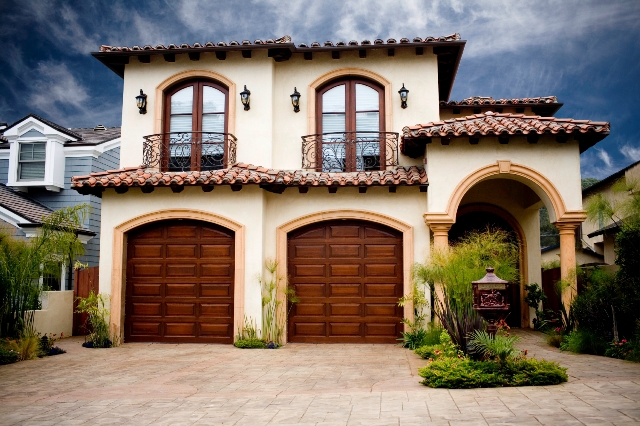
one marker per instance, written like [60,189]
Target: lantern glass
[404,94]
[295,100]
[244,98]
[141,102]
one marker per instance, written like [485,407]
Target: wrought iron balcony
[349,151]
[189,151]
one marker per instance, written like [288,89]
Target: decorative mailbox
[491,299]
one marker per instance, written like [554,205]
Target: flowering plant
[620,350]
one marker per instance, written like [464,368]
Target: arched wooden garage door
[347,275]
[180,283]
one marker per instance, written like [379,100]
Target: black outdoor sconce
[295,100]
[404,94]
[141,102]
[244,97]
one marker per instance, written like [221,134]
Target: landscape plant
[274,316]
[96,308]
[454,268]
[24,261]
[248,336]
[418,335]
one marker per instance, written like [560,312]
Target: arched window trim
[197,102]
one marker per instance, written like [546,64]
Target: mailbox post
[491,299]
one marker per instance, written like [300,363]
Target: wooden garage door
[180,283]
[348,278]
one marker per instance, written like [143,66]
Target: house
[309,154]
[37,160]
[600,236]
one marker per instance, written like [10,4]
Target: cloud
[606,158]
[55,86]
[630,152]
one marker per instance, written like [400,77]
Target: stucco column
[568,260]
[440,242]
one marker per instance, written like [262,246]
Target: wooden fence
[85,281]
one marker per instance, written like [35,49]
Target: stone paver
[190,384]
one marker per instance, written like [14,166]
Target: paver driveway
[299,384]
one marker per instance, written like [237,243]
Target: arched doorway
[480,217]
[180,283]
[348,276]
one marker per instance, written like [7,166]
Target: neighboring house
[311,155]
[600,236]
[37,160]
[584,256]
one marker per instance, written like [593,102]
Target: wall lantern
[295,100]
[141,102]
[404,94]
[244,97]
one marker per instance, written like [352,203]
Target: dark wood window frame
[350,114]
[196,113]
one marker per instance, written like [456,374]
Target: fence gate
[85,281]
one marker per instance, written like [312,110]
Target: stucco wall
[269,133]
[447,166]
[57,314]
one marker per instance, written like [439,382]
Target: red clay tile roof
[283,40]
[487,100]
[492,124]
[587,132]
[244,174]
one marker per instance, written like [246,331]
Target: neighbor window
[351,117]
[195,123]
[31,161]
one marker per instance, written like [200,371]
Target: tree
[23,262]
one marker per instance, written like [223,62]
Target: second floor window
[351,121]
[195,124]
[31,161]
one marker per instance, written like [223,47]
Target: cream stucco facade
[510,180]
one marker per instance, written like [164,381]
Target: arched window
[195,124]
[351,120]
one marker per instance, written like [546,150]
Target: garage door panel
[220,310]
[380,290]
[345,309]
[149,309]
[147,250]
[310,309]
[356,300]
[345,329]
[344,250]
[309,329]
[344,290]
[383,270]
[145,328]
[215,330]
[310,251]
[186,329]
[180,309]
[181,250]
[309,290]
[216,290]
[344,270]
[140,289]
[180,283]
[376,329]
[148,270]
[215,251]
[181,270]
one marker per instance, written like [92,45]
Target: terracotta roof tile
[282,40]
[491,124]
[482,100]
[245,174]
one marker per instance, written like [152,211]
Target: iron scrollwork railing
[349,151]
[189,151]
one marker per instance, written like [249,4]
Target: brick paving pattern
[194,384]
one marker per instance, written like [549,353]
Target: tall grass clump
[274,316]
[23,262]
[95,306]
[453,269]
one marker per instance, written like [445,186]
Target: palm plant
[499,346]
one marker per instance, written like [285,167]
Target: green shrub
[95,306]
[554,339]
[26,347]
[498,347]
[250,343]
[463,373]
[8,356]
[446,348]
[584,342]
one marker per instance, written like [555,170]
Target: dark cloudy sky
[585,52]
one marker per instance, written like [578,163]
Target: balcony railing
[189,151]
[349,151]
